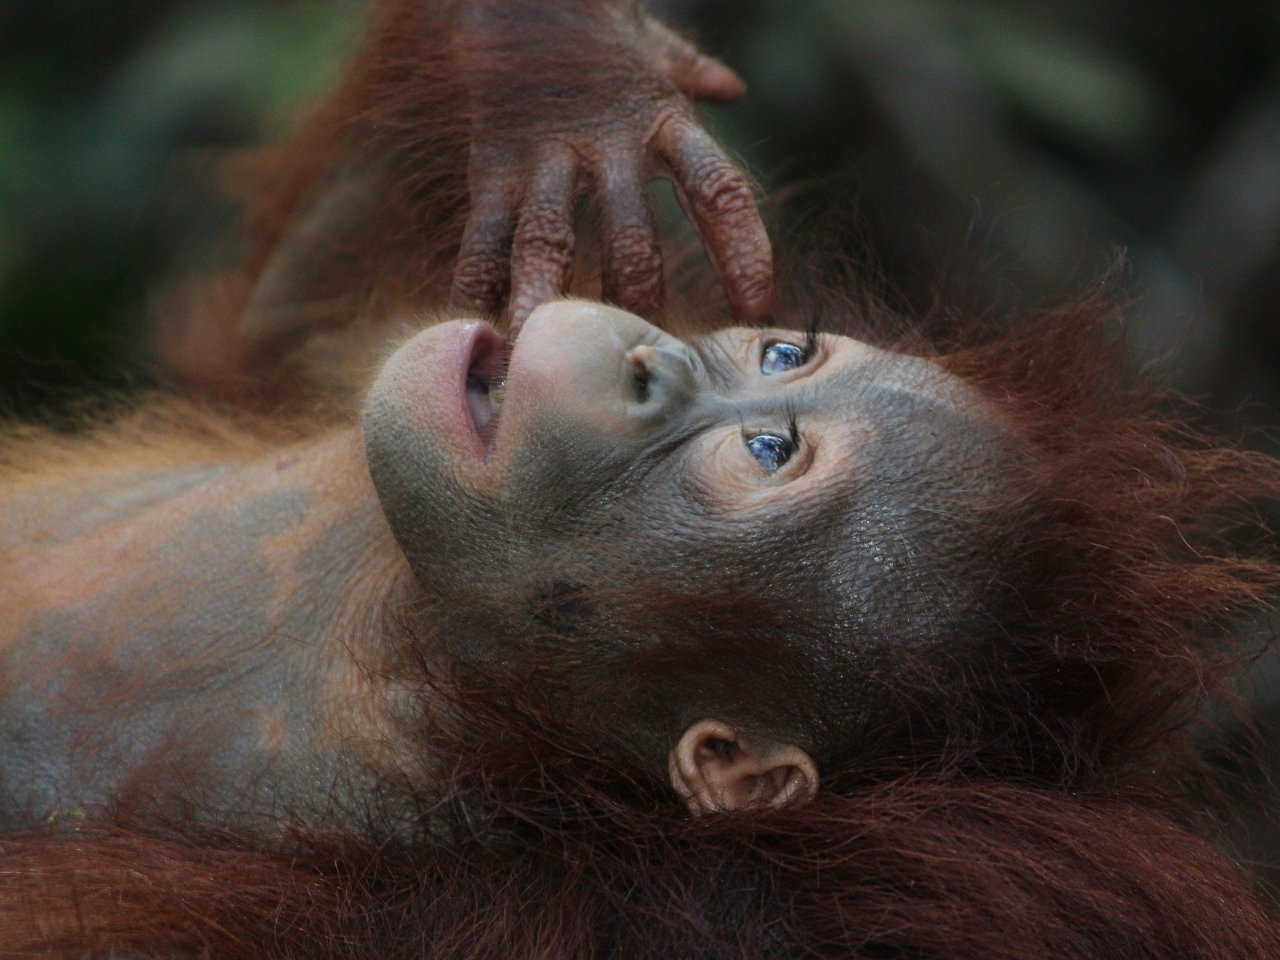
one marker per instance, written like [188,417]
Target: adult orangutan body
[450,675]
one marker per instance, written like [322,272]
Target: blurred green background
[111,118]
[1046,134]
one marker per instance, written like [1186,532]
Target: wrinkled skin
[446,172]
[611,133]
[627,463]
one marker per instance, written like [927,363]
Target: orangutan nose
[663,380]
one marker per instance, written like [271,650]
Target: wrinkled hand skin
[605,105]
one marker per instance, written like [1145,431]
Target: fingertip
[542,249]
[633,269]
[714,82]
[752,297]
[524,300]
[475,286]
[527,295]
[748,274]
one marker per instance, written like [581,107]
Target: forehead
[869,412]
[870,524]
[909,459]
[842,369]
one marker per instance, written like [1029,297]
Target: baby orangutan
[625,634]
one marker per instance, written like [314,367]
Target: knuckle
[545,234]
[753,283]
[635,259]
[668,122]
[722,190]
[476,280]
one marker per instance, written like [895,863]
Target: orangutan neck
[211,624]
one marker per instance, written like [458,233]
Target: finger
[695,74]
[723,207]
[480,274]
[632,258]
[542,250]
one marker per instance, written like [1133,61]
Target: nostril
[641,372]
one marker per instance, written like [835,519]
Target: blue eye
[771,451]
[781,356]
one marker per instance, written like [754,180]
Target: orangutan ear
[714,769]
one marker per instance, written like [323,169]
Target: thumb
[695,74]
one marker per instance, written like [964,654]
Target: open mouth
[486,383]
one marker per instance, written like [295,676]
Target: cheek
[717,470]
[723,476]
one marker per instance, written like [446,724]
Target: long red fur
[398,125]
[539,849]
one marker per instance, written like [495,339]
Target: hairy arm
[606,108]
[445,170]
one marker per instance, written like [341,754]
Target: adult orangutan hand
[594,97]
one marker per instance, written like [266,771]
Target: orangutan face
[606,458]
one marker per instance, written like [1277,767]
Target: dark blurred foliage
[1039,137]
[1042,136]
[111,116]
[1046,135]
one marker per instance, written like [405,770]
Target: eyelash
[791,441]
[807,351]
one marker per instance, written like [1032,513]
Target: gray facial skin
[834,496]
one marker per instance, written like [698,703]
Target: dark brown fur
[543,850]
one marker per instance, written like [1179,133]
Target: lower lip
[481,343]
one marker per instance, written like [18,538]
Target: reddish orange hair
[539,848]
